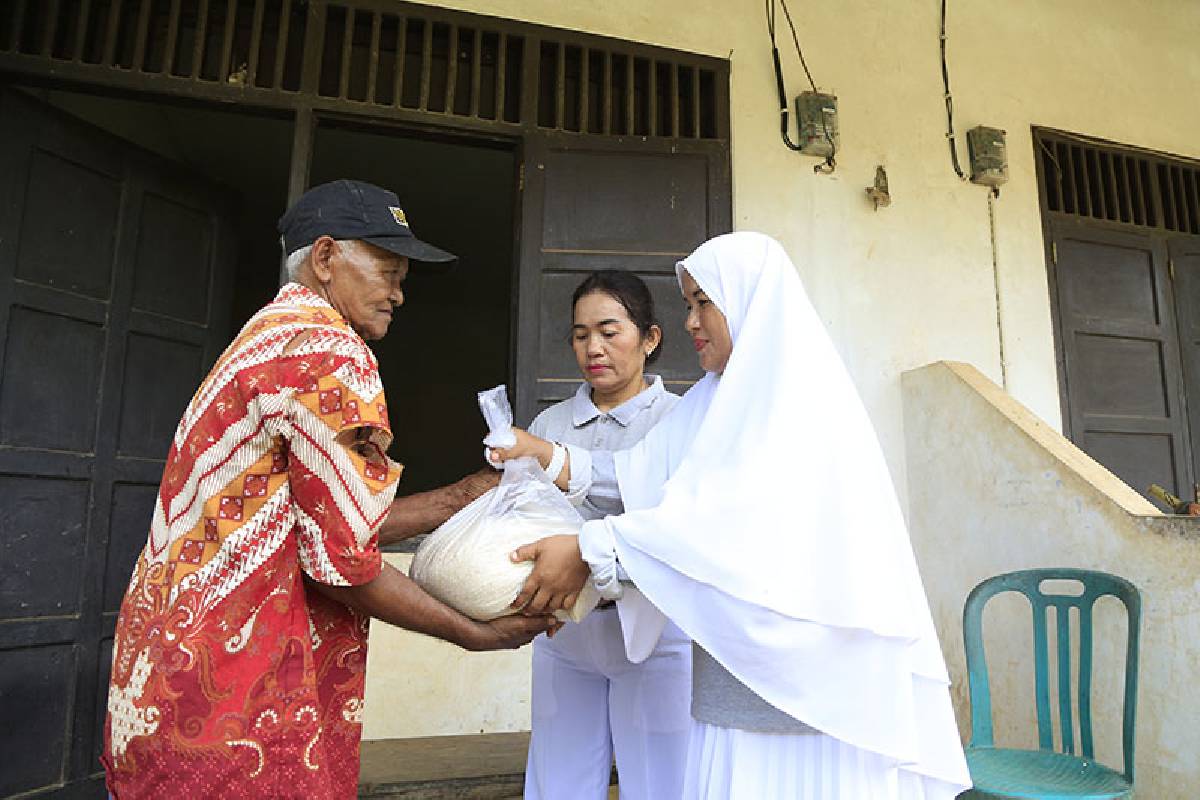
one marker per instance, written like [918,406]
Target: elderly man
[239,655]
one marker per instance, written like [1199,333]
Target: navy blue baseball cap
[346,209]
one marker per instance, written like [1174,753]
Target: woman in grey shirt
[589,701]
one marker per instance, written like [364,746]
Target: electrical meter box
[988,156]
[816,115]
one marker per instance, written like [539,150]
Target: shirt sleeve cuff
[598,548]
[580,460]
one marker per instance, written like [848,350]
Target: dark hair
[631,292]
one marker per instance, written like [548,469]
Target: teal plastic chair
[1044,773]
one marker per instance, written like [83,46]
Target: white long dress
[745,526]
[590,702]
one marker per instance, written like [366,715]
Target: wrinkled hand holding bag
[465,562]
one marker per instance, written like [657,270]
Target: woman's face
[707,327]
[609,348]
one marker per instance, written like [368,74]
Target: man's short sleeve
[341,479]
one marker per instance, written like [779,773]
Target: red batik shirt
[230,677]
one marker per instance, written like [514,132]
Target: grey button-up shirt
[591,436]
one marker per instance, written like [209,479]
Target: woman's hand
[527,445]
[559,573]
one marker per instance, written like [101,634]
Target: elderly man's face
[362,281]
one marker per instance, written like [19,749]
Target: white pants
[591,703]
[730,764]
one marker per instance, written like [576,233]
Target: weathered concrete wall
[420,686]
[992,489]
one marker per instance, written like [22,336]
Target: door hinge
[1054,253]
[521,177]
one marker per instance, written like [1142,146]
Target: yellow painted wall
[898,287]
[913,283]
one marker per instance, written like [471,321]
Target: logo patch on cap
[398,215]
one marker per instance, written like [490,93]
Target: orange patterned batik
[230,677]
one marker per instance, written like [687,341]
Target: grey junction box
[988,156]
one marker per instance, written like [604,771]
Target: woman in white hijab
[817,669]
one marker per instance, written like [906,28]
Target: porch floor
[486,766]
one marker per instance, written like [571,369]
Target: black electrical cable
[829,165]
[949,101]
[783,102]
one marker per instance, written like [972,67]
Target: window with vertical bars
[1135,187]
[382,58]
[258,43]
[609,92]
[374,54]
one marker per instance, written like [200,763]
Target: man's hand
[559,573]
[511,632]
[479,483]
[422,512]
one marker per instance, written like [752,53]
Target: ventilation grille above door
[257,44]
[1092,180]
[424,64]
[599,91]
[377,57]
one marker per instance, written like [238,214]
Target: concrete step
[476,767]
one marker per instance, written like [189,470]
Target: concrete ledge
[472,767]
[993,489]
[478,767]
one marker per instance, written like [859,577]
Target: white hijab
[761,519]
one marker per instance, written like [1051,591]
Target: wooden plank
[401,49]
[560,85]
[225,68]
[201,36]
[50,15]
[347,49]
[1138,196]
[426,65]
[652,98]
[314,48]
[18,23]
[140,36]
[373,56]
[1193,178]
[629,104]
[1110,175]
[1091,174]
[451,68]
[256,24]
[172,34]
[281,44]
[675,99]
[584,77]
[110,35]
[608,98]
[85,11]
[501,70]
[476,70]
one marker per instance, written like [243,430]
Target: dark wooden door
[1119,344]
[591,203]
[1184,269]
[114,299]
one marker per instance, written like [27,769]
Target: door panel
[591,203]
[1185,261]
[1121,357]
[115,290]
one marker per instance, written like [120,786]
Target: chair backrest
[1029,583]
